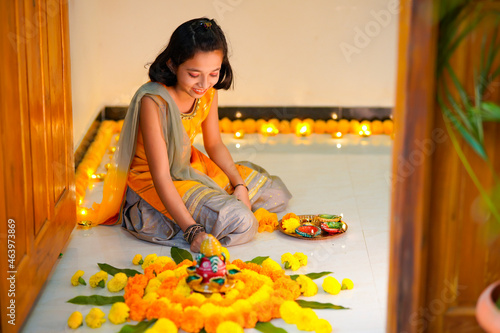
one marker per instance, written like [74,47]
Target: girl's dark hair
[196,35]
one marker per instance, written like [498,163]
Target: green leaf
[102,284]
[490,111]
[312,276]
[82,281]
[179,255]
[141,262]
[139,328]
[319,305]
[257,260]
[268,328]
[96,300]
[113,270]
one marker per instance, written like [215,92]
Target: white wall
[283,53]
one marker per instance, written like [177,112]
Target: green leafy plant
[465,114]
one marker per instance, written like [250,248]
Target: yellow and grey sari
[129,196]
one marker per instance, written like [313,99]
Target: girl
[169,185]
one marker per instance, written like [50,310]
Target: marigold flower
[119,313]
[301,257]
[77,278]
[153,285]
[95,318]
[322,326]
[306,319]
[150,259]
[307,286]
[289,311]
[290,261]
[347,284]
[290,215]
[163,260]
[192,320]
[331,285]
[75,320]
[163,325]
[229,327]
[165,274]
[150,297]
[137,260]
[226,253]
[118,282]
[289,225]
[212,322]
[98,279]
[267,221]
[271,264]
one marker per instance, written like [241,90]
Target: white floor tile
[323,177]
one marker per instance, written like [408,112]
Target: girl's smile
[198,74]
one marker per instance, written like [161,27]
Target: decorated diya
[210,275]
[312,227]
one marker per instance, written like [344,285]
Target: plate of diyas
[312,227]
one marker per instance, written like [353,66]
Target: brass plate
[313,219]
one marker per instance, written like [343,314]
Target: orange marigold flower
[212,322]
[192,320]
[238,262]
[254,267]
[289,216]
[132,289]
[288,284]
[264,310]
[284,294]
[276,303]
[236,317]
[250,319]
[157,310]
[186,262]
[138,309]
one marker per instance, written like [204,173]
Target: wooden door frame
[413,125]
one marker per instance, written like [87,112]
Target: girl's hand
[241,193]
[196,244]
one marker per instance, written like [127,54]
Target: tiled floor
[348,176]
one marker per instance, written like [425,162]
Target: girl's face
[196,75]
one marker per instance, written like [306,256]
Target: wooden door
[37,195]
[443,249]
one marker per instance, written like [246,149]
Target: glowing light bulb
[334,116]
[238,114]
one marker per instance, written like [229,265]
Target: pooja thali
[316,227]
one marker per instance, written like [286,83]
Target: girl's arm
[157,156]
[219,153]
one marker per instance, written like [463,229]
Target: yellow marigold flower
[119,313]
[290,261]
[163,325]
[75,320]
[95,318]
[289,225]
[118,282]
[150,259]
[208,309]
[229,327]
[216,297]
[163,260]
[331,285]
[153,285]
[306,319]
[166,274]
[301,257]
[181,271]
[197,297]
[137,260]
[289,310]
[347,284]
[226,254]
[232,293]
[98,279]
[150,297]
[242,305]
[239,285]
[271,264]
[182,288]
[77,278]
[322,326]
[307,286]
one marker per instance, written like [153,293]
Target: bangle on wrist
[241,184]
[192,231]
